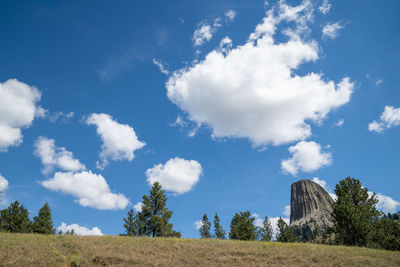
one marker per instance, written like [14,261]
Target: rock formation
[310,209]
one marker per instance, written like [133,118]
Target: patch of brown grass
[56,250]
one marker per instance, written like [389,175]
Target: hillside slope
[55,250]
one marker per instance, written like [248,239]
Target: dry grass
[55,250]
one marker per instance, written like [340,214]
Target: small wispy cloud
[161,66]
[339,123]
[325,7]
[331,30]
[230,15]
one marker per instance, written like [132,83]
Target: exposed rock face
[310,209]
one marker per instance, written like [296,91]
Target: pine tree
[354,213]
[242,227]
[266,230]
[15,219]
[154,217]
[205,227]
[285,232]
[43,224]
[131,224]
[219,231]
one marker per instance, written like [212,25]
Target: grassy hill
[56,250]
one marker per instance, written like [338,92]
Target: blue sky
[225,103]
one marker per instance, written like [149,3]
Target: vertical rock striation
[310,209]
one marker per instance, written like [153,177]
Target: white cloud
[375,127]
[52,156]
[230,14]
[138,207]
[180,122]
[306,157]
[119,140]
[325,7]
[389,118]
[339,123]
[161,66]
[18,108]
[253,91]
[225,45]
[286,211]
[323,184]
[386,203]
[177,175]
[378,82]
[58,115]
[258,221]
[3,184]
[331,30]
[89,189]
[203,33]
[78,230]
[198,224]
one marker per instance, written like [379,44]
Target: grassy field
[56,250]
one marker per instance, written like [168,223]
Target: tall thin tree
[218,230]
[130,224]
[205,227]
[266,230]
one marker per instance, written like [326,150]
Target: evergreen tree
[154,217]
[386,234]
[15,219]
[265,231]
[242,227]
[394,216]
[285,232]
[205,227]
[131,224]
[218,230]
[354,213]
[43,224]
[68,232]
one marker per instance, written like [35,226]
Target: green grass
[56,250]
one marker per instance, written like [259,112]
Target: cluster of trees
[154,218]
[357,222]
[15,219]
[205,229]
[243,227]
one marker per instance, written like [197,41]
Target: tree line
[15,219]
[357,222]
[243,227]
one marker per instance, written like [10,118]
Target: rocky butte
[310,209]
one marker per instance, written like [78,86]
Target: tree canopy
[154,218]
[205,227]
[15,219]
[265,232]
[218,230]
[285,232]
[43,223]
[354,213]
[242,227]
